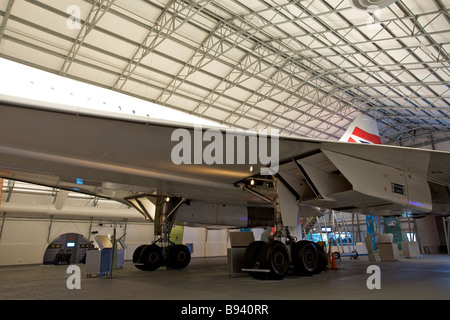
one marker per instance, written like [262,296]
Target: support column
[166,209]
[3,223]
[281,232]
[278,222]
[165,224]
[49,229]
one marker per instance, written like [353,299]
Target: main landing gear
[163,252]
[275,258]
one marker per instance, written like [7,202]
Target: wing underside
[116,159]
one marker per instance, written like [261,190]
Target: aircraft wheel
[137,255]
[152,257]
[251,257]
[178,257]
[305,257]
[275,257]
[322,258]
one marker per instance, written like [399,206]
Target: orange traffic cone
[333,263]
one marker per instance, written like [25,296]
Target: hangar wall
[429,235]
[25,240]
[206,242]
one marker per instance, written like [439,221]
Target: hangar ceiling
[301,66]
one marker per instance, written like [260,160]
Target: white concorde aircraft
[171,171]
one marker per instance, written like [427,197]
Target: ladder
[340,226]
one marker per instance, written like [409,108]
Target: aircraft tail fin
[363,129]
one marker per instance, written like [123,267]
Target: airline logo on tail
[362,130]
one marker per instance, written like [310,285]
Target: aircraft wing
[112,157]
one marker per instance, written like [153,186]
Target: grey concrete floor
[427,278]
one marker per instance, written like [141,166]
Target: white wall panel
[24,241]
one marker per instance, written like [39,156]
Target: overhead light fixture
[365,4]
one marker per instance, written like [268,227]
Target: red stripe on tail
[366,135]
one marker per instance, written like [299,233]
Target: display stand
[388,250]
[98,262]
[239,242]
[411,249]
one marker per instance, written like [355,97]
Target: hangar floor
[208,279]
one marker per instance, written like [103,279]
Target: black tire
[337,255]
[275,257]
[137,257]
[178,257]
[305,258]
[152,257]
[323,258]
[251,258]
